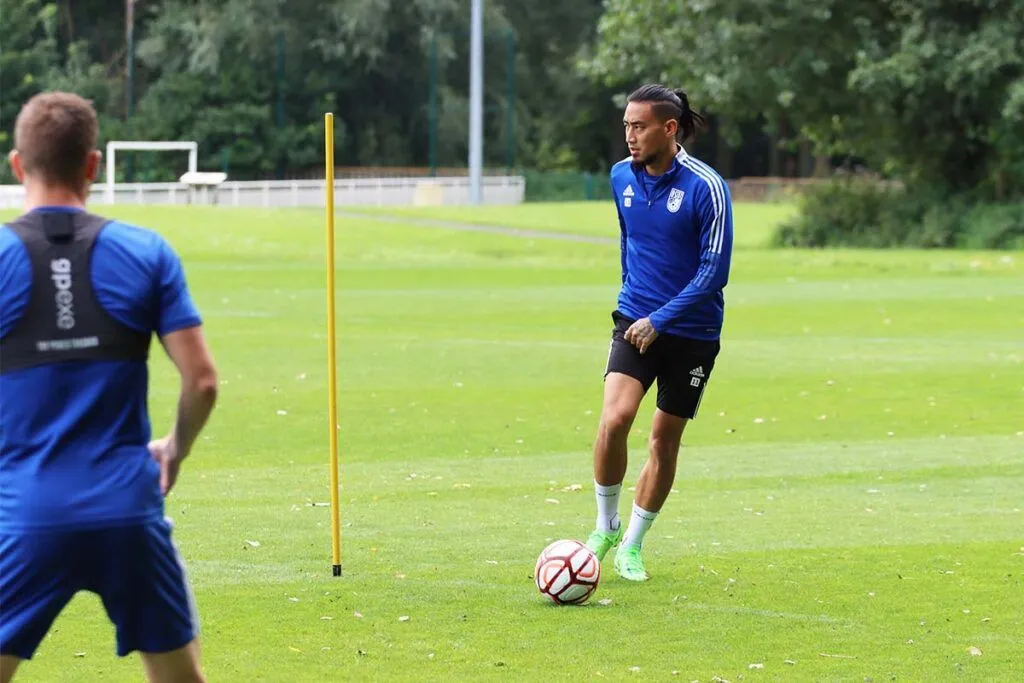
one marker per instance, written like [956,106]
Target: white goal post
[191,147]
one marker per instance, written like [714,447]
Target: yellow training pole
[332,383]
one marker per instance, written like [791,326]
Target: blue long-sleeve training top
[676,240]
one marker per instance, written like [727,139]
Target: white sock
[639,523]
[607,507]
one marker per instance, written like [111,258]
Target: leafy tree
[931,91]
[28,38]
[251,79]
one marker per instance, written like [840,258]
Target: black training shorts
[681,365]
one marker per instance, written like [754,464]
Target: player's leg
[8,665]
[145,591]
[684,368]
[652,489]
[176,666]
[622,397]
[628,376]
[36,583]
[659,472]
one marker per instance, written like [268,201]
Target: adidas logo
[698,371]
[628,192]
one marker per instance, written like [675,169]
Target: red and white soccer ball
[567,572]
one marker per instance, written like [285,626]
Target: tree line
[930,92]
[250,80]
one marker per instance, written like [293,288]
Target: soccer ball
[567,572]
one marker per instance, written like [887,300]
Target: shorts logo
[675,200]
[698,371]
[695,381]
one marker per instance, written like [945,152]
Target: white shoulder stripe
[714,183]
[718,198]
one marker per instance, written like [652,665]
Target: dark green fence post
[510,152]
[432,111]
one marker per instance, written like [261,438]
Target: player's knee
[664,448]
[617,420]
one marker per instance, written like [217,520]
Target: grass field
[753,222]
[848,505]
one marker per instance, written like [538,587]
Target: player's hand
[641,334]
[165,452]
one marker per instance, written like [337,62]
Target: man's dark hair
[54,134]
[670,104]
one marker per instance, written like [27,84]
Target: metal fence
[572,186]
[499,190]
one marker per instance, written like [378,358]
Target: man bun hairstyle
[670,104]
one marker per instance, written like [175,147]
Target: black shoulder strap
[64,320]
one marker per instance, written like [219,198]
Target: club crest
[675,200]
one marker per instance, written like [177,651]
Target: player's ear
[672,128]
[92,165]
[15,160]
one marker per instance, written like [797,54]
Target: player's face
[646,135]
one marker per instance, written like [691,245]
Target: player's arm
[622,229]
[714,210]
[188,351]
[180,330]
[622,239]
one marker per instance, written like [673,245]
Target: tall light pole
[476,102]
[129,29]
[129,81]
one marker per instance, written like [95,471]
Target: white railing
[295,193]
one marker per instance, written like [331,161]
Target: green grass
[753,223]
[848,504]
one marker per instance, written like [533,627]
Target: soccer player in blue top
[675,217]
[81,484]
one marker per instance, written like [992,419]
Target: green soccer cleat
[603,541]
[629,565]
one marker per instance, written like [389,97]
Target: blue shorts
[135,570]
